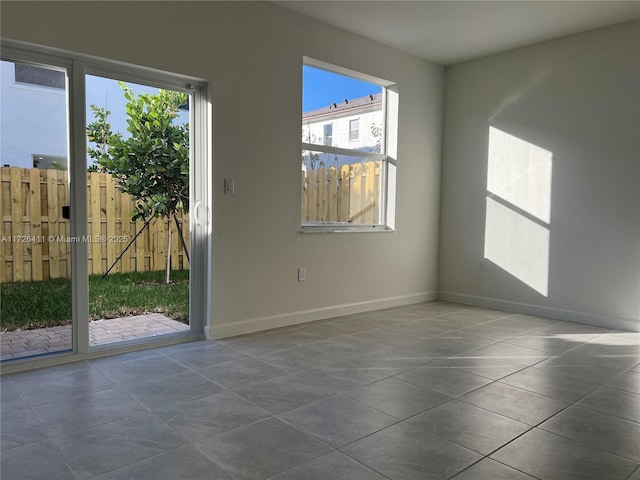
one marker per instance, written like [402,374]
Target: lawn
[28,305]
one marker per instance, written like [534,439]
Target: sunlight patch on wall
[518,209]
[518,245]
[520,173]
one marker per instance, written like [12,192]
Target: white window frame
[388,155]
[327,139]
[354,133]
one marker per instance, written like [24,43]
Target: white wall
[252,53]
[579,99]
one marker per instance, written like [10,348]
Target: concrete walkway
[25,343]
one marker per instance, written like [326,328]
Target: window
[45,77]
[354,130]
[328,133]
[349,125]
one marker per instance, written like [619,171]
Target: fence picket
[36,225]
[16,224]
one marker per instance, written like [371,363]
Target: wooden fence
[350,193]
[35,238]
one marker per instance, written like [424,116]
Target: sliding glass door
[101,218]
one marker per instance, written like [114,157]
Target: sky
[322,88]
[105,92]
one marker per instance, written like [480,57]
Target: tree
[152,163]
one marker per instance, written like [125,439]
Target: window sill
[336,229]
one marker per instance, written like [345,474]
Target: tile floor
[429,391]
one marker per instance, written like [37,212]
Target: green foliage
[152,164]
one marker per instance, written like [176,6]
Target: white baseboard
[556,313]
[242,327]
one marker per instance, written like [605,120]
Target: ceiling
[448,32]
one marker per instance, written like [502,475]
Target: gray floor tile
[308,334]
[419,329]
[469,426]
[492,332]
[338,420]
[237,374]
[383,338]
[296,358]
[599,355]
[515,403]
[449,381]
[77,413]
[133,371]
[184,463]
[397,398]
[569,328]
[474,316]
[103,448]
[492,368]
[592,373]
[38,461]
[258,344]
[205,356]
[614,402]
[628,381]
[47,385]
[390,361]
[432,348]
[545,343]
[513,353]
[405,452]
[20,427]
[247,453]
[9,397]
[334,466]
[207,416]
[181,347]
[285,393]
[551,457]
[341,376]
[488,469]
[342,346]
[605,432]
[548,383]
[164,391]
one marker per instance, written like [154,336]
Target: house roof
[345,106]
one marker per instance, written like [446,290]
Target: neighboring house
[33,127]
[351,124]
[33,124]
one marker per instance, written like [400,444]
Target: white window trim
[357,138]
[388,147]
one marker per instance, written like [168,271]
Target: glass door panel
[138,204]
[35,241]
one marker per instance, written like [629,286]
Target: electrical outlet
[302,274]
[481,265]
[229,186]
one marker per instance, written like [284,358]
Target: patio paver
[25,343]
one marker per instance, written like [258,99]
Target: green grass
[28,305]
